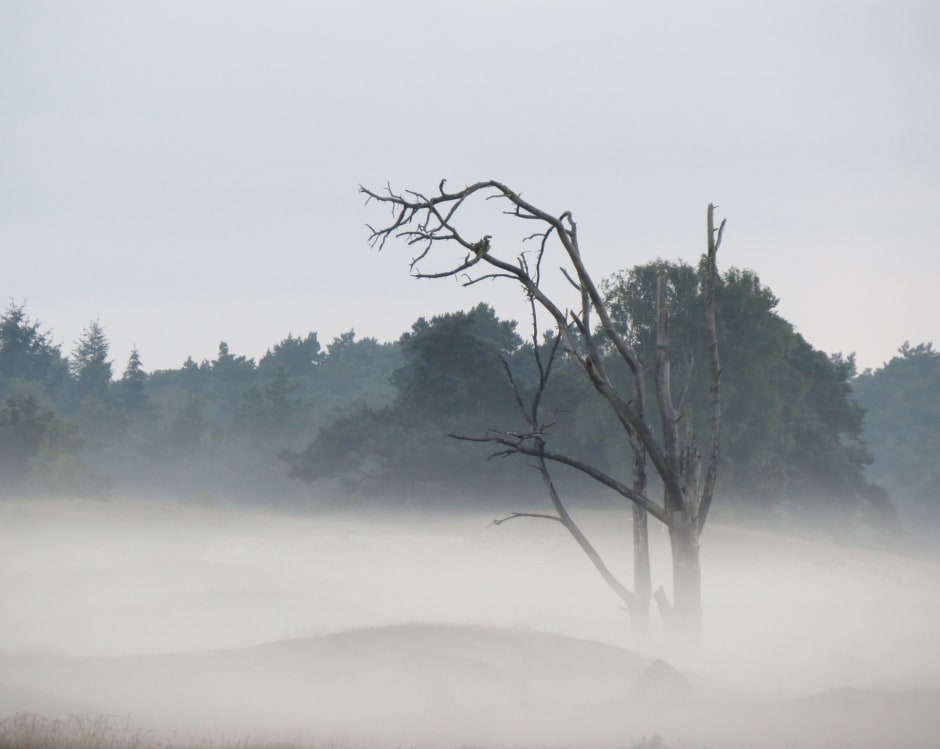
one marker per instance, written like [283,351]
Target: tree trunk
[685,625]
[642,578]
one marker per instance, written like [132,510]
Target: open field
[398,630]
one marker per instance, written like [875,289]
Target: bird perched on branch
[483,246]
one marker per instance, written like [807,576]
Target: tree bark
[685,618]
[642,577]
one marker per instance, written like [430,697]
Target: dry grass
[31,731]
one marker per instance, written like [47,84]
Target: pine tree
[89,363]
[26,352]
[134,385]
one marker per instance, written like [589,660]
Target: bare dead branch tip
[514,515]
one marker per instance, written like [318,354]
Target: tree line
[805,435]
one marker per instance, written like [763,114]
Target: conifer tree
[134,384]
[89,362]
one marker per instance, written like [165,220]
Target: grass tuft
[31,731]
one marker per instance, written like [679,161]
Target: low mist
[419,629]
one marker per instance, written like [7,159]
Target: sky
[187,172]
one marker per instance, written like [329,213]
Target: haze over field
[410,629]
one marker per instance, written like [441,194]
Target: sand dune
[447,685]
[411,682]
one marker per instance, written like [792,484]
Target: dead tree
[429,223]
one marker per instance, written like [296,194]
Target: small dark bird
[483,246]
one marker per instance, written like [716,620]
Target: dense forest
[808,440]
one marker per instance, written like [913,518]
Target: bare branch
[565,519]
[514,515]
[432,220]
[530,419]
[472,281]
[544,374]
[577,287]
[524,447]
[721,231]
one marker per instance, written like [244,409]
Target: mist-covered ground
[421,629]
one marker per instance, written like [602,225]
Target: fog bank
[448,629]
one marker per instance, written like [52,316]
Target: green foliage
[755,346]
[298,357]
[90,367]
[27,354]
[188,427]
[631,299]
[392,452]
[373,416]
[219,425]
[355,373]
[792,434]
[231,375]
[132,394]
[451,380]
[272,412]
[31,436]
[354,447]
[452,365]
[902,400]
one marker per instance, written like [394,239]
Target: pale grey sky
[186,172]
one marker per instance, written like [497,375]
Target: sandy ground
[448,632]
